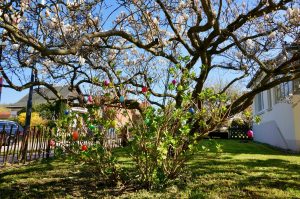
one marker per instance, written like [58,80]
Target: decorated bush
[79,135]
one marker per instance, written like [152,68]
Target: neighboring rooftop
[39,99]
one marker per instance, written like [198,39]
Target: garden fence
[238,133]
[19,147]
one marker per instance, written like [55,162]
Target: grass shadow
[227,176]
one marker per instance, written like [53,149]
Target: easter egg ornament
[180,88]
[147,121]
[174,81]
[192,110]
[113,124]
[122,99]
[84,147]
[144,89]
[75,135]
[106,83]
[90,98]
[250,134]
[52,143]
[92,127]
[67,112]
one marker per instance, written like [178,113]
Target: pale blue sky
[9,96]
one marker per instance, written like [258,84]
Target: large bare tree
[150,43]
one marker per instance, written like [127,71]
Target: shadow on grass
[209,166]
[244,147]
[31,168]
[266,174]
[67,183]
[58,179]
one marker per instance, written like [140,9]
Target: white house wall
[296,109]
[277,126]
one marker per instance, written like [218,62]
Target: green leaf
[118,72]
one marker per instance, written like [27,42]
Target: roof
[38,99]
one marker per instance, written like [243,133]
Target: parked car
[10,128]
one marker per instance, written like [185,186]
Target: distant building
[38,98]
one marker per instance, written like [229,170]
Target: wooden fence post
[49,133]
[17,134]
[7,141]
[2,137]
[25,146]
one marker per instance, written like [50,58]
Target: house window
[296,86]
[269,99]
[283,90]
[259,102]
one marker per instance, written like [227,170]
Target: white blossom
[293,15]
[289,11]
[266,17]
[3,44]
[30,50]
[96,20]
[81,60]
[66,28]
[47,13]
[126,62]
[272,35]
[239,54]
[15,46]
[43,71]
[47,63]
[96,40]
[14,19]
[24,6]
[6,17]
[134,51]
[185,16]
[250,43]
[181,4]
[155,21]
[180,19]
[244,4]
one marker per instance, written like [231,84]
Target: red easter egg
[75,135]
[84,147]
[144,89]
[106,83]
[250,134]
[174,81]
[90,99]
[52,143]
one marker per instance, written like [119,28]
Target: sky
[9,96]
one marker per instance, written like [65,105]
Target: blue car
[10,128]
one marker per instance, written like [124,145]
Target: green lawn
[243,170]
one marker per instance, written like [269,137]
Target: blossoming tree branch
[137,48]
